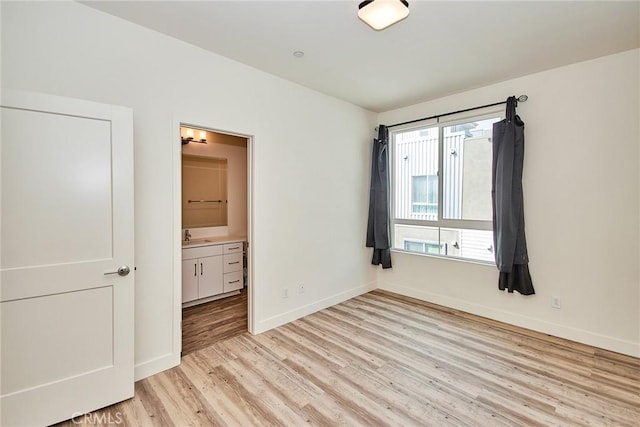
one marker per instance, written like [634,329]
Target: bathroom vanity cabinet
[211,270]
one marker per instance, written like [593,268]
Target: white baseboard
[574,334]
[290,316]
[156,365]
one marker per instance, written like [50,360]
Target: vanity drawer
[232,262]
[202,251]
[230,248]
[233,281]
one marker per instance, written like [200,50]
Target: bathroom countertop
[218,240]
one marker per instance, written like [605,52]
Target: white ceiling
[440,49]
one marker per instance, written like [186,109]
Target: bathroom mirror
[204,191]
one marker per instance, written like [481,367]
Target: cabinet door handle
[235,262]
[201,269]
[231,249]
[235,281]
[195,270]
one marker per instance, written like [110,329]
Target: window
[424,194]
[425,247]
[441,188]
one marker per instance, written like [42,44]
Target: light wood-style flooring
[386,360]
[206,324]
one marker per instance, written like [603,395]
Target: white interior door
[67,222]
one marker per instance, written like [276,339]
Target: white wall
[310,157]
[581,189]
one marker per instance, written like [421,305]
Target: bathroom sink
[196,242]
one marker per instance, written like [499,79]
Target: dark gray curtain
[509,241]
[378,225]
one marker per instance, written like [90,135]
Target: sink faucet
[187,235]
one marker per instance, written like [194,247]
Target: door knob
[122,271]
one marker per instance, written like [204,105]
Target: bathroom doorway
[214,201]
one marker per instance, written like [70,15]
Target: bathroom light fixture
[379,14]
[189,138]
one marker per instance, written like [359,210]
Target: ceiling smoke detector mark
[298,54]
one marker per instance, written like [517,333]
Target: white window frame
[441,222]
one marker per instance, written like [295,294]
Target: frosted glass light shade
[379,14]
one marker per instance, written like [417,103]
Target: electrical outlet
[555,303]
[285,292]
[301,288]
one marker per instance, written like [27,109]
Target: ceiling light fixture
[379,14]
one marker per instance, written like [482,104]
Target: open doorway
[214,236]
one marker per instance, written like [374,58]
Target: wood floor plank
[339,344]
[468,331]
[382,359]
[152,403]
[568,372]
[444,373]
[428,391]
[179,400]
[350,400]
[219,388]
[523,385]
[206,324]
[413,407]
[262,362]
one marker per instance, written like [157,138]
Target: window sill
[446,257]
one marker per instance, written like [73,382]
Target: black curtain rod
[521,98]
